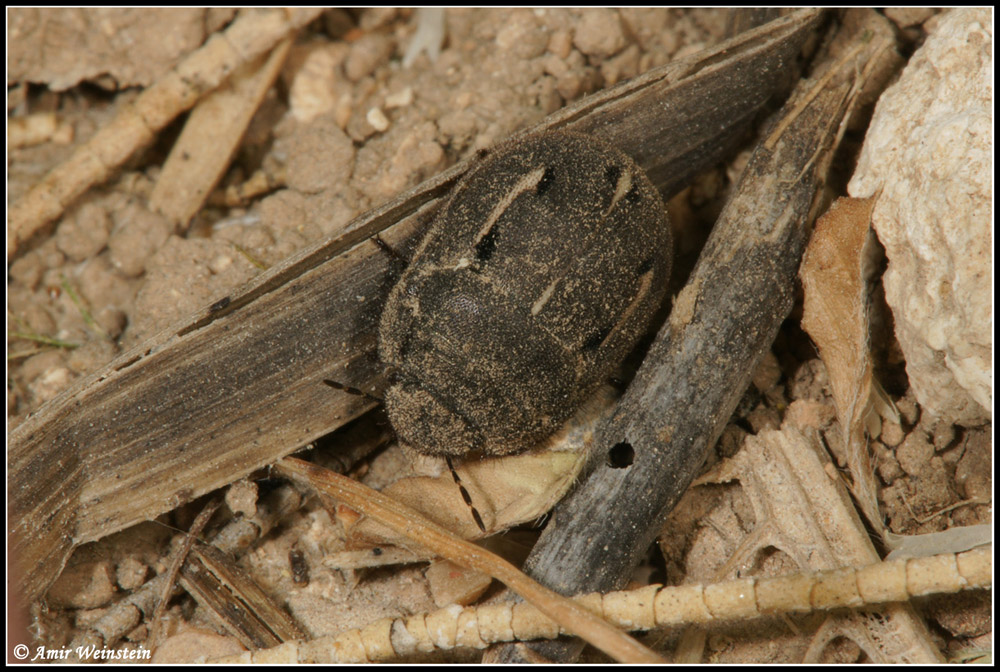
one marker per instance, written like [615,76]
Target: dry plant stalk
[211,136]
[235,601]
[253,33]
[425,534]
[179,558]
[127,614]
[645,609]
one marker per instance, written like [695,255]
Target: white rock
[316,80]
[377,119]
[930,150]
[400,99]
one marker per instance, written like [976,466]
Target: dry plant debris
[211,136]
[136,125]
[418,531]
[836,271]
[802,511]
[643,609]
[357,128]
[506,491]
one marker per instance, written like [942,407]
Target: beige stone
[929,151]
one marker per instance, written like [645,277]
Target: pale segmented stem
[645,609]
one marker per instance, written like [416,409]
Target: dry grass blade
[403,520]
[180,556]
[211,137]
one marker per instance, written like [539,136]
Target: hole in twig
[621,455]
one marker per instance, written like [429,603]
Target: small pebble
[377,119]
[914,453]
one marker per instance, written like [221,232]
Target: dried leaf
[426,534]
[506,491]
[453,584]
[835,273]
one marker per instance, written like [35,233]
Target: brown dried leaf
[453,584]
[836,303]
[420,531]
[506,491]
[835,273]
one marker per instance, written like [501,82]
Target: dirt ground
[347,126]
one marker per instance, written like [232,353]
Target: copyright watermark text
[45,654]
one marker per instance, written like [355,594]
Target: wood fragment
[127,614]
[238,603]
[211,136]
[178,559]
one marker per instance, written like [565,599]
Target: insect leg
[351,390]
[466,496]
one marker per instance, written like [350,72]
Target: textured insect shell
[530,287]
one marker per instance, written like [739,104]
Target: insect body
[530,287]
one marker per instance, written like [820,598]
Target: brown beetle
[530,287]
